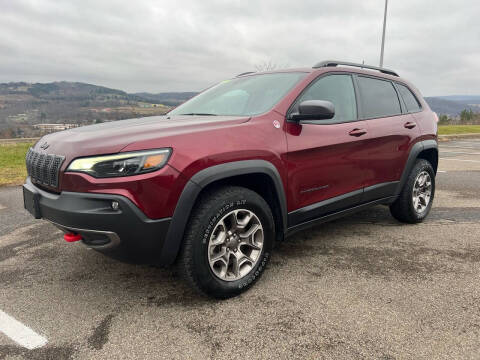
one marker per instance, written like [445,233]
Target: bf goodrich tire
[416,198]
[228,242]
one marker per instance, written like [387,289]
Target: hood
[112,137]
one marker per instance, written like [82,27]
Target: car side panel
[427,123]
[392,144]
[324,161]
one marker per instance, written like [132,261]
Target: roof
[325,65]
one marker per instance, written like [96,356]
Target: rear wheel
[416,198]
[228,242]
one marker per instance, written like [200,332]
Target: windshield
[244,96]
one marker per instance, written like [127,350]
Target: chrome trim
[314,189]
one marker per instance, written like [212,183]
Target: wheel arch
[426,149]
[431,155]
[260,176]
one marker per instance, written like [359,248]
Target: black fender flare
[198,182]
[416,149]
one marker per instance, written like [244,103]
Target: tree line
[467,117]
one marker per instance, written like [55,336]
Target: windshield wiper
[199,114]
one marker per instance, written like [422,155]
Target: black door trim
[302,226]
[379,191]
[341,203]
[324,207]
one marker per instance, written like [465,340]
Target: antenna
[383,33]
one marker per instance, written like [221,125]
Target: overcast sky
[156,46]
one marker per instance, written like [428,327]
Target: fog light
[115,205]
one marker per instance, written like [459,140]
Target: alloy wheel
[422,192]
[235,245]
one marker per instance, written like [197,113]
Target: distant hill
[63,90]
[167,98]
[23,105]
[444,106]
[468,99]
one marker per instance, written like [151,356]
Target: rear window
[410,100]
[378,98]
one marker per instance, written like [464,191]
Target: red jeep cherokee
[214,183]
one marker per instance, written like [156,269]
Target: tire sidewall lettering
[218,215]
[258,272]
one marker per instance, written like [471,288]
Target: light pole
[383,34]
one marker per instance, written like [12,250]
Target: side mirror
[313,110]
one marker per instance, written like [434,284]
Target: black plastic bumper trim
[133,236]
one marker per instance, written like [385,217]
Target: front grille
[44,168]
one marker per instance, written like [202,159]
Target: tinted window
[339,90]
[379,98]
[246,95]
[410,100]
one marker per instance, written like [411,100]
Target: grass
[458,129]
[12,163]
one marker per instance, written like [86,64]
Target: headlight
[123,164]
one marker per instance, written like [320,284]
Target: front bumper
[125,233]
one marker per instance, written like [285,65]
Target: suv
[214,183]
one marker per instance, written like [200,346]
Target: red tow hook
[72,237]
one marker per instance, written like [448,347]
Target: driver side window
[339,90]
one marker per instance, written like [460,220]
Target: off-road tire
[403,208]
[193,262]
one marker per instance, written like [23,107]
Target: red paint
[389,145]
[324,155]
[306,156]
[156,193]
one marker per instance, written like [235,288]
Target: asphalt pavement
[363,287]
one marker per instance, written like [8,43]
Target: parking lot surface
[364,286]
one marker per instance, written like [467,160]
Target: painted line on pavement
[466,140]
[20,333]
[475,161]
[458,152]
[458,147]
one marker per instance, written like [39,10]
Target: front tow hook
[72,237]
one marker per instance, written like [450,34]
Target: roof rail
[245,73]
[328,63]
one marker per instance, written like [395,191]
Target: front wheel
[416,198]
[228,242]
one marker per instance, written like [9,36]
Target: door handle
[357,132]
[410,125]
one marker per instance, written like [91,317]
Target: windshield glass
[244,96]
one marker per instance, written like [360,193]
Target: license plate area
[31,202]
